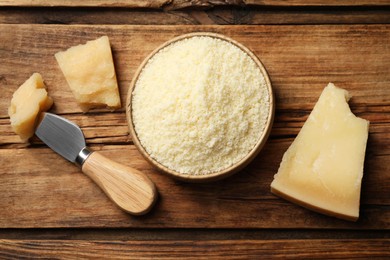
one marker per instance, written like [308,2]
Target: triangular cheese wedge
[90,73]
[323,168]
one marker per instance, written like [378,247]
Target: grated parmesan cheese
[200,105]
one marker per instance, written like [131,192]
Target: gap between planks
[180,4]
[187,234]
[221,16]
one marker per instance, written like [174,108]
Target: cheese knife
[129,188]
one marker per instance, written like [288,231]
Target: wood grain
[315,55]
[128,188]
[222,16]
[154,4]
[200,234]
[40,189]
[193,249]
[181,4]
[50,192]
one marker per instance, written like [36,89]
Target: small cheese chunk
[323,168]
[28,101]
[90,73]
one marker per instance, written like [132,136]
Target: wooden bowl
[214,175]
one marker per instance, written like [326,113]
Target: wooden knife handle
[129,188]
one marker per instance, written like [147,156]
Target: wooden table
[49,209]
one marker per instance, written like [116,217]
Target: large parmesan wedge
[90,73]
[323,168]
[28,101]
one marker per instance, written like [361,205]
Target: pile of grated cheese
[200,105]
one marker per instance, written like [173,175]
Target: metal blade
[61,135]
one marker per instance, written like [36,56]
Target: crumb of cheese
[200,105]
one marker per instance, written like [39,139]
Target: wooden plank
[108,128]
[181,4]
[198,234]
[287,15]
[300,60]
[53,15]
[223,16]
[111,128]
[153,4]
[193,249]
[50,192]
[41,190]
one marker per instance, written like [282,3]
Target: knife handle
[127,187]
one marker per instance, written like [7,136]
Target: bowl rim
[217,175]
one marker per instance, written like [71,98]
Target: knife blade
[129,188]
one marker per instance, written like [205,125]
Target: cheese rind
[323,168]
[28,101]
[90,73]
